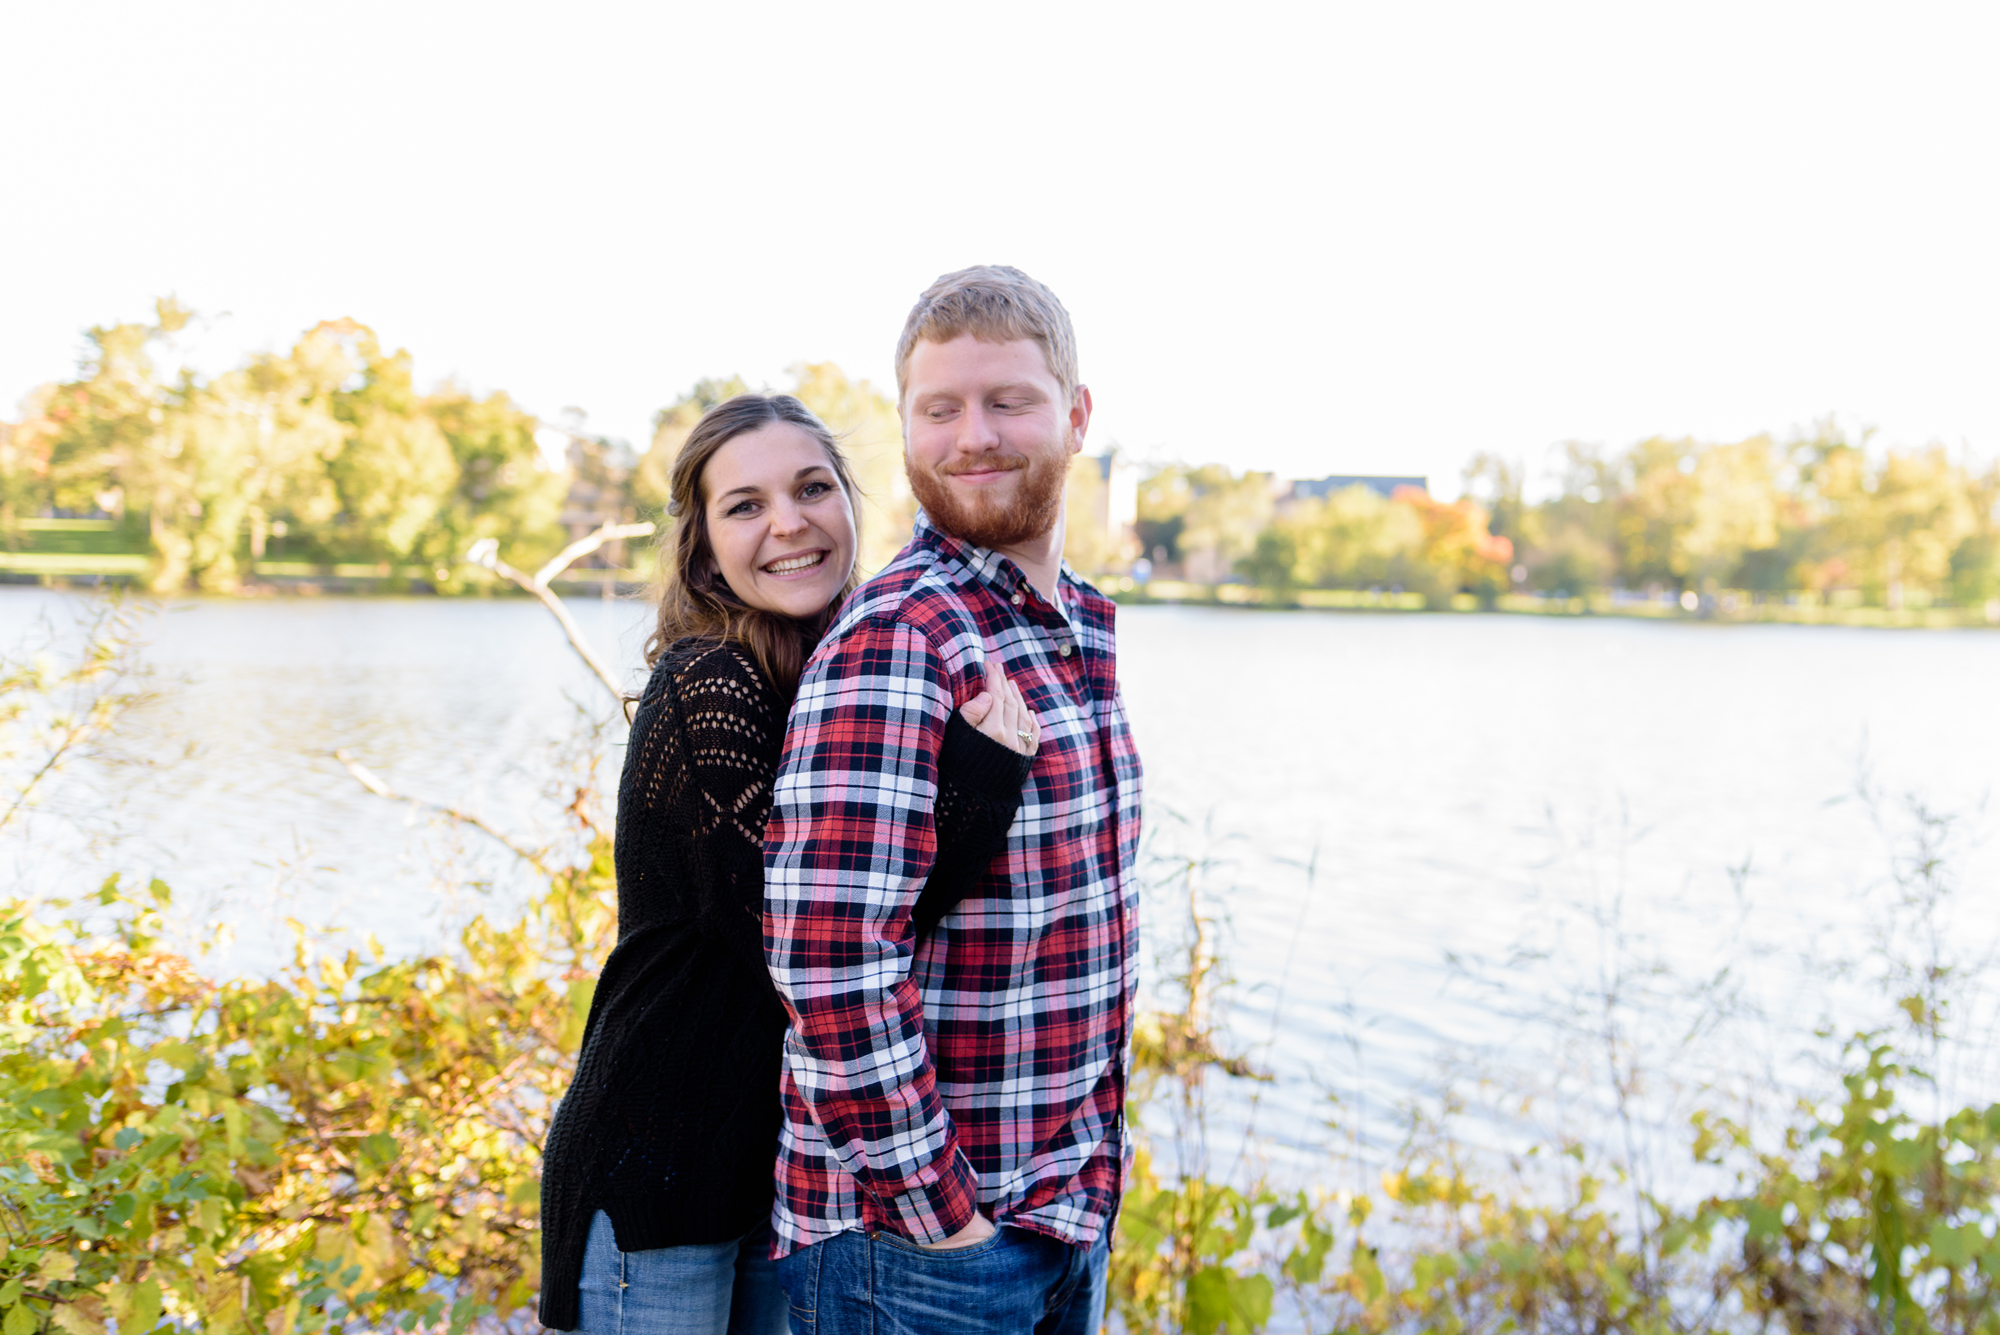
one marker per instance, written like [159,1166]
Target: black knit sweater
[671,1124]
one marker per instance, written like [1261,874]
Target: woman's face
[780,526]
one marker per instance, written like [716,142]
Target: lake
[1387,808]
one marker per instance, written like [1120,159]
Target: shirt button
[1063,652]
[1020,598]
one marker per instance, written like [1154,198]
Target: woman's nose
[787,518]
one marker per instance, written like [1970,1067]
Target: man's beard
[984,522]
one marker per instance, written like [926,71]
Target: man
[954,1132]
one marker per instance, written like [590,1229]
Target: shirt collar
[994,570]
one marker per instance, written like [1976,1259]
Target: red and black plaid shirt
[984,1069]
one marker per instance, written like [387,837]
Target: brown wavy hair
[694,599]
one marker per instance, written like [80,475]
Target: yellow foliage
[340,1136]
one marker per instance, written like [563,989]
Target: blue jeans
[722,1288]
[1014,1283]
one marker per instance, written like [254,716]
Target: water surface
[1370,794]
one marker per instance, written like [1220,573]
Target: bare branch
[584,546]
[368,779]
[73,737]
[570,628]
[96,684]
[486,552]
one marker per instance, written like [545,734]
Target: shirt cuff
[932,1211]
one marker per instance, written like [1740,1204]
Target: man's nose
[978,431]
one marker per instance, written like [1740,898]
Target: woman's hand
[1001,713]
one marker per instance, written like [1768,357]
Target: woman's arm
[989,747]
[730,726]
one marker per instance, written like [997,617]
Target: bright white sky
[1307,237]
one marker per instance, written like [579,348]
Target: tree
[1655,507]
[1886,527]
[102,431]
[1458,553]
[25,449]
[199,459]
[1734,512]
[505,489]
[1351,539]
[1209,517]
[395,470]
[1568,543]
[1497,484]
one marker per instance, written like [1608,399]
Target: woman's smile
[792,565]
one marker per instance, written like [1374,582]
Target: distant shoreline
[1728,607]
[299,580]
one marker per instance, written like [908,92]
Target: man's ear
[1079,418]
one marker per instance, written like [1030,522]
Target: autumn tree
[1208,517]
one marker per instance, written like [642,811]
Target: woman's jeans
[1013,1283]
[722,1288]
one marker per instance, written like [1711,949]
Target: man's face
[988,437]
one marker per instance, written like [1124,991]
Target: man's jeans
[725,1288]
[1014,1283]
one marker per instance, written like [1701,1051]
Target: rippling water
[1370,794]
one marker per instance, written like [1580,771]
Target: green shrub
[352,1141]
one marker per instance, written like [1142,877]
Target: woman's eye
[812,491]
[740,508]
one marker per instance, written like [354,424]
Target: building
[1118,503]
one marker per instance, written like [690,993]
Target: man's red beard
[982,521]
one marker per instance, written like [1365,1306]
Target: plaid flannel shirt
[986,1068]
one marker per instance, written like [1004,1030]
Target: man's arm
[849,844]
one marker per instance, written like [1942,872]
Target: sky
[1309,238]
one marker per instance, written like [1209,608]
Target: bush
[351,1141]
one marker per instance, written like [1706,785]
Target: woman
[657,1177]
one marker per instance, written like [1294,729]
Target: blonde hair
[694,599]
[995,303]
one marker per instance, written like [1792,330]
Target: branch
[369,780]
[72,738]
[105,663]
[584,546]
[486,552]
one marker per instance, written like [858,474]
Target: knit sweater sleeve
[732,727]
[979,793]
